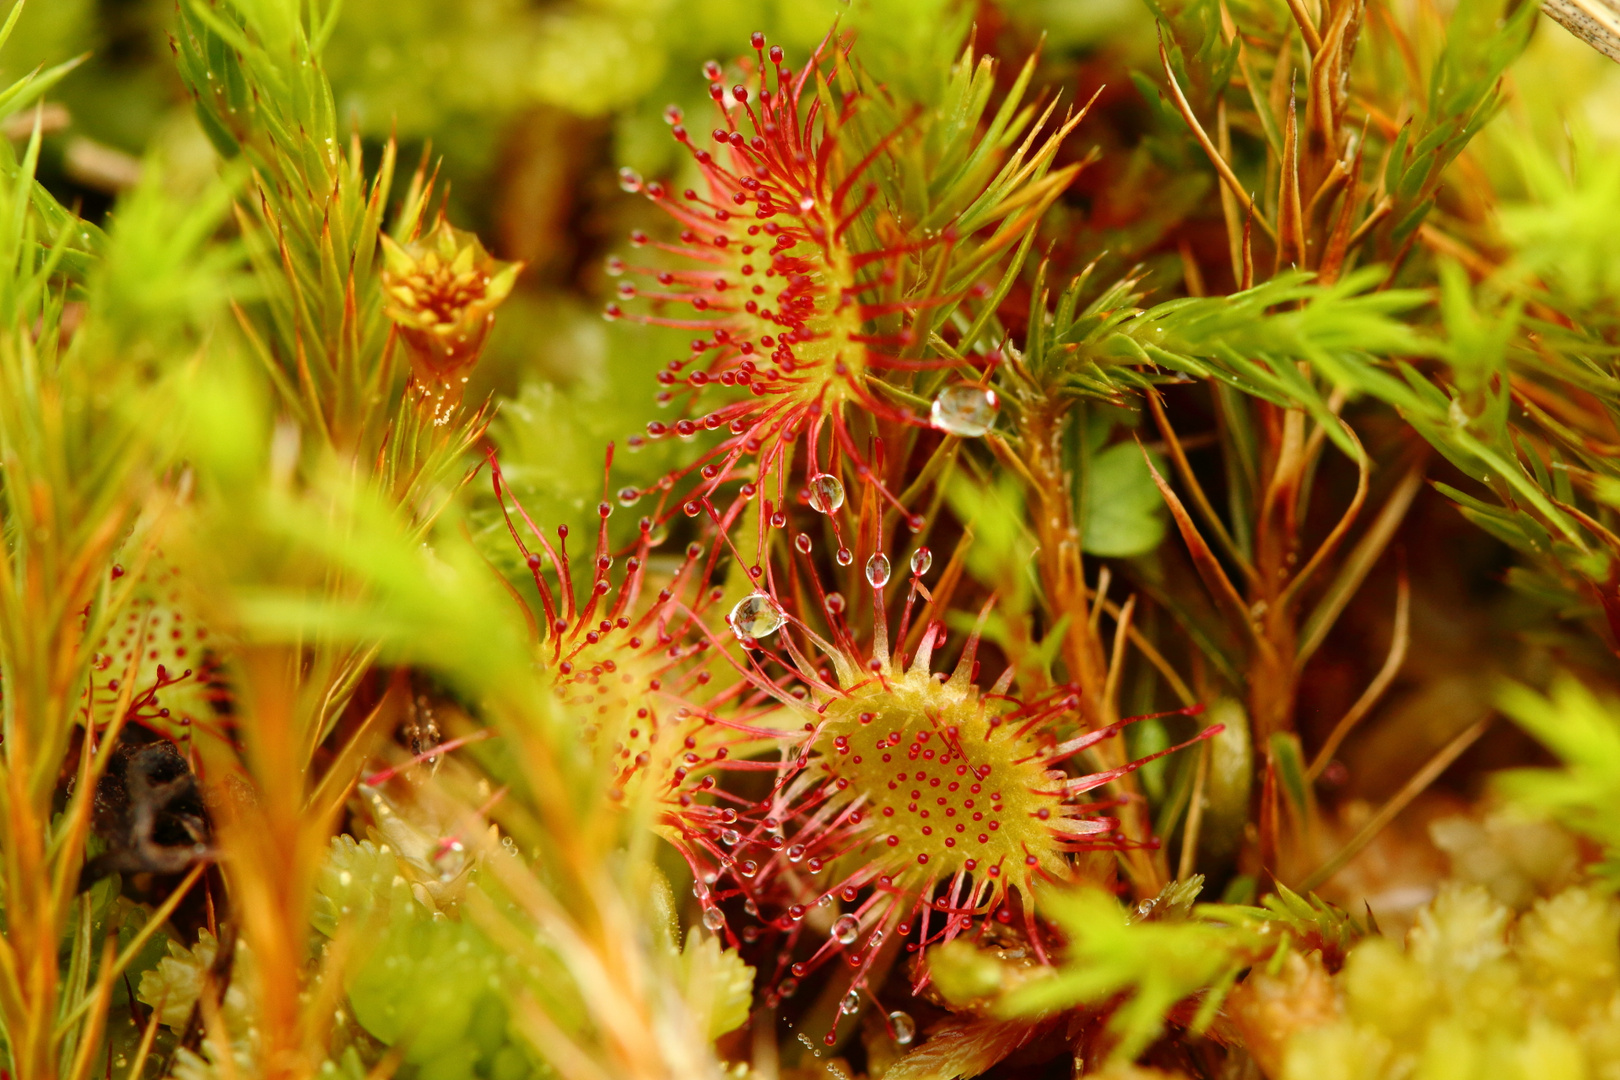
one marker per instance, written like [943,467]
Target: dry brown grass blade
[1251,84]
[137,1065]
[154,922]
[1596,22]
[1326,191]
[1247,281]
[1398,802]
[1221,167]
[1337,248]
[1099,596]
[1378,213]
[218,1037]
[1230,216]
[326,801]
[1195,816]
[1290,215]
[1209,567]
[1307,25]
[1178,455]
[1172,677]
[99,1001]
[1116,660]
[1357,565]
[1399,639]
[1340,530]
[560,1052]
[1268,823]
[1327,99]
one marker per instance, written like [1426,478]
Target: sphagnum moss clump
[1479,991]
[874,744]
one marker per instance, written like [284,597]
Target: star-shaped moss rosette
[442,290]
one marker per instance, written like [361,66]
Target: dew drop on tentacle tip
[713,919]
[846,929]
[904,1027]
[921,560]
[964,410]
[755,616]
[877,571]
[826,492]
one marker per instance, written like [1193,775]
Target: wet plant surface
[901,539]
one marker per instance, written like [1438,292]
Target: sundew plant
[899,539]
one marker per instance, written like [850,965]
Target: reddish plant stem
[1085,653]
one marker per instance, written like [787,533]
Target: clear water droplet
[876,939]
[629,179]
[877,571]
[844,556]
[851,1002]
[755,616]
[795,853]
[846,929]
[834,603]
[629,496]
[905,1028]
[729,837]
[748,867]
[964,409]
[713,919]
[921,560]
[826,492]
[802,543]
[788,987]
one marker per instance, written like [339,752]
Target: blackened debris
[149,812]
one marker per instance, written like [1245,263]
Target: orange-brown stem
[1085,652]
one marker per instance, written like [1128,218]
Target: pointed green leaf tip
[1583,730]
[1155,963]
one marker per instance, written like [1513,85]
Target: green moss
[1477,992]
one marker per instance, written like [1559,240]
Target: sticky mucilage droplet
[826,492]
[965,410]
[755,616]
[921,560]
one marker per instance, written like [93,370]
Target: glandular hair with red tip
[916,800]
[800,285]
[635,673]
